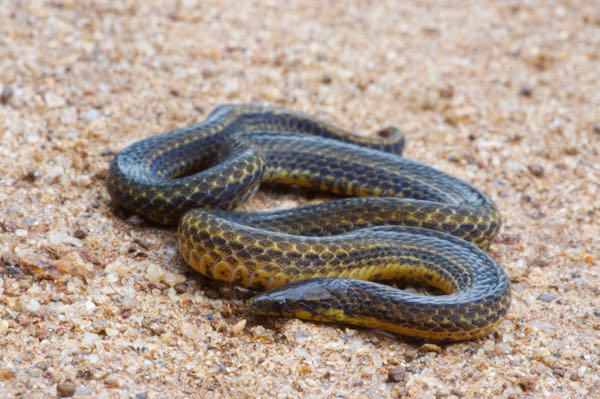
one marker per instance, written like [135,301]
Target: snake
[336,261]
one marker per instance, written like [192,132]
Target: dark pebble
[6,95]
[536,170]
[527,383]
[596,128]
[31,176]
[397,374]
[526,91]
[180,288]
[80,233]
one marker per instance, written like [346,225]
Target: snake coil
[403,220]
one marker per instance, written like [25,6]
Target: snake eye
[278,304]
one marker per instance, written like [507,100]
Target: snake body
[402,220]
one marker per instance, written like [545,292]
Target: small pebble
[527,383]
[189,330]
[6,374]
[30,221]
[447,92]
[3,327]
[300,335]
[540,262]
[454,158]
[173,279]
[54,100]
[80,234]
[425,348]
[180,288]
[117,267]
[238,327]
[596,128]
[489,345]
[9,259]
[135,220]
[91,114]
[106,151]
[89,306]
[6,95]
[571,151]
[65,389]
[72,264]
[113,381]
[555,125]
[526,91]
[547,297]
[304,369]
[60,238]
[397,374]
[90,339]
[155,273]
[83,391]
[20,232]
[260,334]
[536,170]
[28,304]
[541,353]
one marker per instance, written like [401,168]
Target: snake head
[307,299]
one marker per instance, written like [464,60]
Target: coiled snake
[403,220]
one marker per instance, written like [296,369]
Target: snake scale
[395,219]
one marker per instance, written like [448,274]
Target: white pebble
[20,232]
[90,338]
[111,332]
[3,327]
[90,306]
[92,114]
[28,304]
[154,273]
[53,100]
[117,267]
[172,279]
[112,277]
[61,238]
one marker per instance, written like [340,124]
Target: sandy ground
[97,303]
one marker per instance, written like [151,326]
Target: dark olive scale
[405,220]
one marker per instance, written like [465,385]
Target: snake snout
[303,297]
[268,304]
